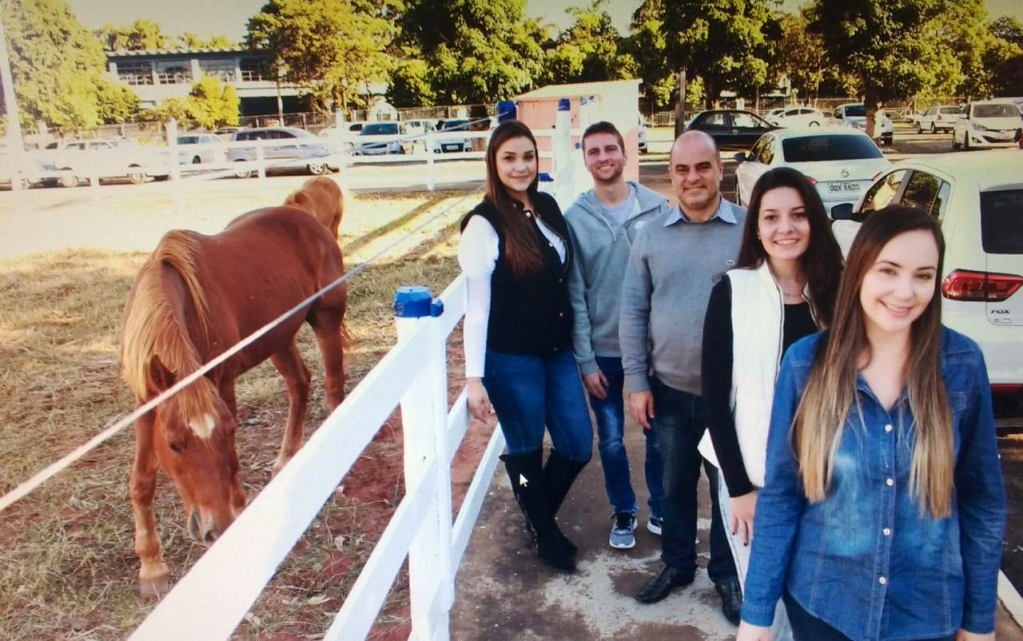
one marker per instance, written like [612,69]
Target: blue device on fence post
[416,302]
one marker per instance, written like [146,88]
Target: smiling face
[516,166]
[900,284]
[604,157]
[783,225]
[696,173]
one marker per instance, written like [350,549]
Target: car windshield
[455,124]
[1001,221]
[380,129]
[855,111]
[188,140]
[995,111]
[825,148]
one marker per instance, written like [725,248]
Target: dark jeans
[529,392]
[610,414]
[806,627]
[680,426]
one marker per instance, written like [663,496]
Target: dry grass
[67,568]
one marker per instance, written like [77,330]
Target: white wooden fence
[210,601]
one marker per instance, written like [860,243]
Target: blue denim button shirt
[865,560]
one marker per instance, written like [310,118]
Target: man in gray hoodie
[602,223]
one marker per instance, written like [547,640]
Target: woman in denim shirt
[883,510]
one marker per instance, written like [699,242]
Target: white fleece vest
[758,314]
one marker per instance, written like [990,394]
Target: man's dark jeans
[680,426]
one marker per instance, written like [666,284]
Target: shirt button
[888,428]
[882,580]
[889,482]
[887,531]
[561,314]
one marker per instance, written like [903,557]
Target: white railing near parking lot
[210,601]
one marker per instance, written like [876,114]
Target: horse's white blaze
[203,428]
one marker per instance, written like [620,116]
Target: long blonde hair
[830,393]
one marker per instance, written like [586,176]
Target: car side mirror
[740,157]
[842,212]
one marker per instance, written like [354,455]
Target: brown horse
[195,297]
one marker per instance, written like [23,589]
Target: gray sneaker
[622,531]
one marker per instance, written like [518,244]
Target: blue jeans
[806,627]
[610,414]
[529,392]
[680,425]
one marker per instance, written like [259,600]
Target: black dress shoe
[731,599]
[669,579]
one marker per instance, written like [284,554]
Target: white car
[68,162]
[196,149]
[840,162]
[939,118]
[798,117]
[987,123]
[978,204]
[854,114]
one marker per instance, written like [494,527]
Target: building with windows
[157,75]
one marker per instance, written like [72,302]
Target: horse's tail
[156,350]
[321,197]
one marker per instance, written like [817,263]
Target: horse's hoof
[154,588]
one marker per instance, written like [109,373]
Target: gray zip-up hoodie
[601,252]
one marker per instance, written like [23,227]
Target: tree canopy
[331,47]
[589,50]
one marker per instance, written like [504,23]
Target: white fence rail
[210,601]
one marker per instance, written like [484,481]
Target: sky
[208,18]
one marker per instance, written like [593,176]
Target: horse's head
[321,197]
[197,450]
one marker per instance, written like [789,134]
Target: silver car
[291,148]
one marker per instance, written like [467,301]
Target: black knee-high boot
[531,492]
[560,473]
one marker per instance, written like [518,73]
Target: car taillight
[968,285]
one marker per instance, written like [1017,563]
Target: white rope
[52,470]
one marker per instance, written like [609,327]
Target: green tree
[192,41]
[1004,58]
[589,50]
[1008,29]
[410,83]
[647,46]
[725,42]
[141,35]
[330,47]
[116,102]
[56,63]
[476,51]
[209,104]
[801,56]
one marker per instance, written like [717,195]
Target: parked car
[939,118]
[74,160]
[394,142]
[641,135]
[854,114]
[201,148]
[450,143]
[978,204]
[987,123]
[418,127]
[798,117]
[294,148]
[840,162]
[730,128]
[773,112]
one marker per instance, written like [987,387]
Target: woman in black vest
[518,335]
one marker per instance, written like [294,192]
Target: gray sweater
[601,252]
[672,268]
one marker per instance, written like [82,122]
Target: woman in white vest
[782,289]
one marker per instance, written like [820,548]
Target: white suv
[987,123]
[939,118]
[854,114]
[979,205]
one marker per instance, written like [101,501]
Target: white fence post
[424,419]
[428,141]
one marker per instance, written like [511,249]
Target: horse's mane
[152,332]
[321,197]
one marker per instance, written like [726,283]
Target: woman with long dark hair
[782,289]
[515,252]
[883,512]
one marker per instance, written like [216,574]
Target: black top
[717,378]
[530,316]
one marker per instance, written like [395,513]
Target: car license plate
[843,187]
[452,147]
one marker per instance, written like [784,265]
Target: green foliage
[476,51]
[589,50]
[647,46]
[331,47]
[210,104]
[141,35]
[410,82]
[801,56]
[117,103]
[56,63]
[1008,29]
[728,43]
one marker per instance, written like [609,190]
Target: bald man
[674,262]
